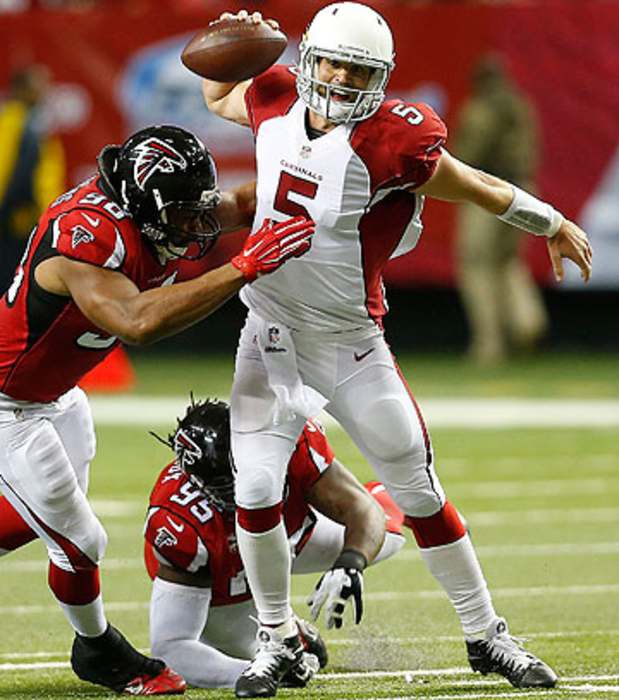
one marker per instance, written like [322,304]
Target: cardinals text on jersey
[354,183]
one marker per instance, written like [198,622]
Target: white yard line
[412,674]
[547,692]
[578,684]
[381,596]
[410,554]
[106,508]
[592,688]
[534,487]
[458,412]
[532,550]
[343,641]
[530,592]
[22,567]
[542,516]
[456,638]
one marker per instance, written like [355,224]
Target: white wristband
[531,214]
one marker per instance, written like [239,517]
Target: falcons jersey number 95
[185,531]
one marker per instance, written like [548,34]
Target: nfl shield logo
[273,335]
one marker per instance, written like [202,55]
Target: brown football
[229,50]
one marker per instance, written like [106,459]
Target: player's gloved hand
[301,674]
[338,586]
[272,244]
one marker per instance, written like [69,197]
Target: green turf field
[543,507]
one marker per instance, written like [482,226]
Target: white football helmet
[350,32]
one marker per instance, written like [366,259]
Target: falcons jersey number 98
[46,343]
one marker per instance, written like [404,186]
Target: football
[229,50]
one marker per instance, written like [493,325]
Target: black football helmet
[201,442]
[166,179]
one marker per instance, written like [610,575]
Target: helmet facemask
[318,95]
[166,180]
[219,491]
[188,241]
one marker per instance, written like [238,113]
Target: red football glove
[272,244]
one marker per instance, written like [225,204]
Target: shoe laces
[270,652]
[508,651]
[268,658]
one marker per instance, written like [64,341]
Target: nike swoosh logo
[94,341]
[361,356]
[178,527]
[93,222]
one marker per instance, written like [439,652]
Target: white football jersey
[352,182]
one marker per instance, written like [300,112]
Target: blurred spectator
[32,167]
[25,5]
[497,132]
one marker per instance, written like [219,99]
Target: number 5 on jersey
[298,187]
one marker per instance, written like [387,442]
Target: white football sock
[456,568]
[87,620]
[266,557]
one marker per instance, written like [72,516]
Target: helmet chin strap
[335,112]
[169,252]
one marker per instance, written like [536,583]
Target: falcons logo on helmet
[155,156]
[186,449]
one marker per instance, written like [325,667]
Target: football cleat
[168,682]
[313,642]
[277,658]
[110,660]
[501,653]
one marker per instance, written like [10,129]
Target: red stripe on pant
[77,558]
[441,528]
[74,588]
[259,519]
[14,530]
[424,428]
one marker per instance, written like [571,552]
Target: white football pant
[45,454]
[365,393]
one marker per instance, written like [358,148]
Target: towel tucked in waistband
[280,360]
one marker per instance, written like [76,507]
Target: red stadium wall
[116,69]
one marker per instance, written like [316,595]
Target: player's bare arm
[455,181]
[227,100]
[237,207]
[199,579]
[114,303]
[339,496]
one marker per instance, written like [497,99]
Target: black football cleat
[501,653]
[278,661]
[313,642]
[110,660]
